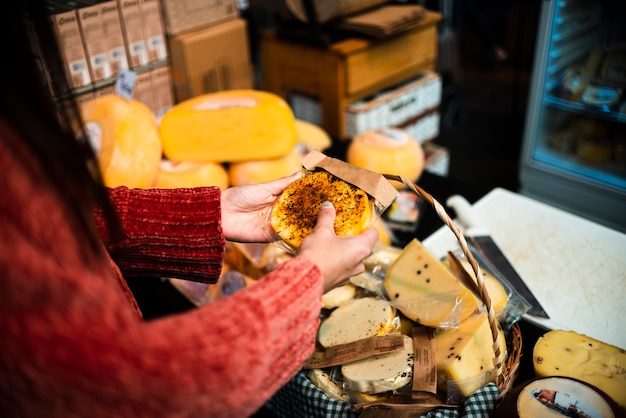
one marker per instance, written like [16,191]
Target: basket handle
[484,295]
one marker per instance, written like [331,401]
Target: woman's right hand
[339,258]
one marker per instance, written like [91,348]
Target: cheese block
[322,379]
[388,151]
[190,174]
[381,373]
[229,126]
[570,354]
[259,171]
[355,320]
[424,290]
[125,138]
[465,355]
[338,296]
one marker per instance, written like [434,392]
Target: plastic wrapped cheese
[191,174]
[229,126]
[125,138]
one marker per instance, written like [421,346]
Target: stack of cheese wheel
[125,138]
[387,151]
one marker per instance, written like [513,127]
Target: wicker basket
[302,398]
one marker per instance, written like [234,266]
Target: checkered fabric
[301,398]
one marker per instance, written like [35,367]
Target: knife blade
[484,247]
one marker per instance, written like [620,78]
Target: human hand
[241,220]
[339,258]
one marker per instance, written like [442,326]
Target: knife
[484,247]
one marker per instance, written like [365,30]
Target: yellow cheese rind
[465,355]
[425,291]
[229,126]
[190,174]
[126,140]
[259,171]
[570,354]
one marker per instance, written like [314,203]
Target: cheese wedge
[229,126]
[191,174]
[125,138]
[355,320]
[465,355]
[424,290]
[497,293]
[570,354]
[259,171]
[381,373]
[321,378]
[338,296]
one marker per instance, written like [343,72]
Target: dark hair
[47,130]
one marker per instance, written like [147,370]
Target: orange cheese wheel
[125,137]
[387,151]
[191,174]
[259,171]
[228,126]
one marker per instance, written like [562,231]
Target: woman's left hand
[244,209]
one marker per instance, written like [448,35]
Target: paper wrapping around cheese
[191,174]
[381,373]
[259,171]
[570,354]
[229,126]
[425,291]
[126,140]
[355,320]
[465,354]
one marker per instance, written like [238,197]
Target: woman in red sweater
[73,340]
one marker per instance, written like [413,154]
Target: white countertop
[575,268]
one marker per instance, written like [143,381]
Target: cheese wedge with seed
[356,320]
[570,354]
[424,290]
[465,354]
[381,373]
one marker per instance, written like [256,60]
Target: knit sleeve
[167,232]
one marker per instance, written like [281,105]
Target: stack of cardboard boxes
[100,38]
[177,48]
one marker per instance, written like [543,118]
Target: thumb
[326,216]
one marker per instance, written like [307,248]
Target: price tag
[125,83]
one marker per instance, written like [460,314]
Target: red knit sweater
[73,343]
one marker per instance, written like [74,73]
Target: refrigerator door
[574,148]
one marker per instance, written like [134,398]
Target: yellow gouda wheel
[228,126]
[387,151]
[259,171]
[191,174]
[126,140]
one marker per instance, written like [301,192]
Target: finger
[326,216]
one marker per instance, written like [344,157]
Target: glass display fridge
[574,146]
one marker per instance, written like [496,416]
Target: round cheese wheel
[125,138]
[190,174]
[312,136]
[259,171]
[388,151]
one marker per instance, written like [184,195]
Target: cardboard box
[211,59]
[68,33]
[153,30]
[189,15]
[132,30]
[95,43]
[143,91]
[163,90]
[112,32]
[437,159]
